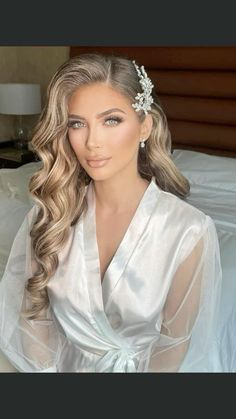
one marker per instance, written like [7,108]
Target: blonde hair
[59,187]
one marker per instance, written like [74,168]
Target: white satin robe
[155,311]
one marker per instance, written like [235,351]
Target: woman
[112,270]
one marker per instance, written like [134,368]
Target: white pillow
[14,182]
[205,169]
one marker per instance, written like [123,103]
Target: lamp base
[20,144]
[20,136]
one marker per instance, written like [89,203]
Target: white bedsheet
[221,207]
[213,190]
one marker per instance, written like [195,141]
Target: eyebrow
[100,114]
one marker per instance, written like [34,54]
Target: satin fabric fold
[117,326]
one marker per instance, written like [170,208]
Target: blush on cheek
[75,150]
[127,137]
[75,143]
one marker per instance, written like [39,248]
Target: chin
[99,178]
[95,175]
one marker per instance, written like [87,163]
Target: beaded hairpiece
[145,99]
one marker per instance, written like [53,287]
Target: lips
[98,162]
[97,158]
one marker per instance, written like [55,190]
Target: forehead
[98,97]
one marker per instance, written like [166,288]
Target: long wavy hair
[59,186]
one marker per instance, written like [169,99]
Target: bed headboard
[197,90]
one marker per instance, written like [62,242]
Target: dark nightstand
[11,157]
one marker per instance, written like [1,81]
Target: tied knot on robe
[117,360]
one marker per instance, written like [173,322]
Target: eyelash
[71,124]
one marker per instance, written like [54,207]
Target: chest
[110,231]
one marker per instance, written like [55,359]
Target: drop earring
[142,143]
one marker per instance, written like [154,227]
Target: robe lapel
[100,294]
[129,242]
[91,256]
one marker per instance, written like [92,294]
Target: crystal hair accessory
[145,99]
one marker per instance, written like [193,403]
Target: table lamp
[20,99]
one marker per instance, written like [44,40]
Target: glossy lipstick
[98,162]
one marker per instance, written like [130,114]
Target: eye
[75,124]
[113,121]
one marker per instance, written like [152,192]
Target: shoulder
[183,216]
[185,226]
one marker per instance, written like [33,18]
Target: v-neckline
[123,238]
[100,291]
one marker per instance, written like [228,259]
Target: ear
[146,126]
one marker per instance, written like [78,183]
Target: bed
[213,190]
[15,202]
[197,88]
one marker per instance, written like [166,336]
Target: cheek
[76,144]
[126,138]
[75,140]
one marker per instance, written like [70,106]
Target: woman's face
[104,131]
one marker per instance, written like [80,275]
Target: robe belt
[117,360]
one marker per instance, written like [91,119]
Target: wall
[28,64]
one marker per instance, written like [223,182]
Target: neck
[120,193]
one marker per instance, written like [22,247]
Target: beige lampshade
[20,99]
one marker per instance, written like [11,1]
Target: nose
[93,138]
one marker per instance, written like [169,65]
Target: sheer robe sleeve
[191,308]
[29,345]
